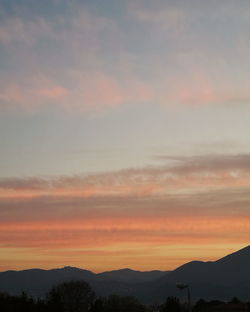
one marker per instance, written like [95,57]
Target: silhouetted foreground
[78,296]
[221,279]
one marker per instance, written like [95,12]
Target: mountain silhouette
[131,276]
[228,270]
[222,279]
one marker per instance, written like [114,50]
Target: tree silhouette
[74,296]
[172,304]
[200,305]
[235,300]
[23,303]
[98,305]
[115,303]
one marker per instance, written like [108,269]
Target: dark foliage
[21,303]
[75,296]
[172,304]
[234,305]
[235,300]
[116,303]
[200,305]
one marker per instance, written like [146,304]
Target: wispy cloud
[93,92]
[191,199]
[89,67]
[179,173]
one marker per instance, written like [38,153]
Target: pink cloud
[30,94]
[53,92]
[82,37]
[194,90]
[93,92]
[95,83]
[197,88]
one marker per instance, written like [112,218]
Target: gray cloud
[235,166]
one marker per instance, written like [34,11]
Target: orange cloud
[189,201]
[169,224]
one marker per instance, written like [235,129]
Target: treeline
[78,296]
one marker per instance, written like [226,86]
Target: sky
[124,132]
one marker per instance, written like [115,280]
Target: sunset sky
[124,132]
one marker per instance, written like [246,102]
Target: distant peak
[120,270]
[68,267]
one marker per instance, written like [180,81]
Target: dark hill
[131,276]
[37,281]
[222,279]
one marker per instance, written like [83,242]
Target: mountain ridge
[224,278]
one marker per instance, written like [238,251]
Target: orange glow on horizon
[154,210]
